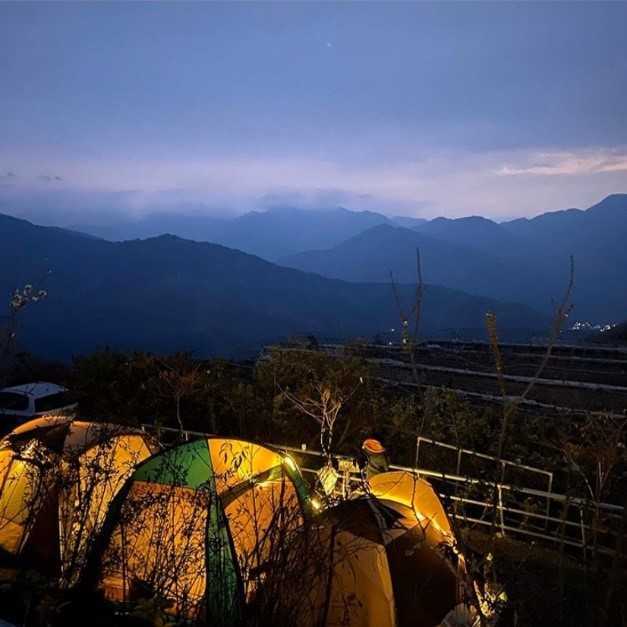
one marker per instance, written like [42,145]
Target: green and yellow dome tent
[199,527]
[57,479]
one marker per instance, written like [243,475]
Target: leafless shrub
[18,302]
[509,407]
[409,336]
[179,378]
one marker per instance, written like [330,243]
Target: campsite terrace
[576,379]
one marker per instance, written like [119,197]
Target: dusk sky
[501,110]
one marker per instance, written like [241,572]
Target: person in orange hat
[374,457]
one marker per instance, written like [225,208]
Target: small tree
[320,387]
[180,378]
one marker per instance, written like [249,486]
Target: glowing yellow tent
[410,491]
[200,526]
[57,479]
[384,559]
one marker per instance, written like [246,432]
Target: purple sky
[502,110]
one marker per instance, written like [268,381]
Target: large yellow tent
[57,479]
[386,558]
[200,526]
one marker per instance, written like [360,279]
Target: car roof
[36,390]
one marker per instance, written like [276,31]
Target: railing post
[458,473]
[548,502]
[417,458]
[501,509]
[583,535]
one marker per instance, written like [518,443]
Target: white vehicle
[23,402]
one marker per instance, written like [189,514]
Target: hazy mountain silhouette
[269,234]
[200,228]
[597,239]
[408,222]
[166,293]
[373,254]
[474,232]
[521,260]
[524,260]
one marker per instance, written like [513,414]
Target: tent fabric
[95,476]
[198,525]
[379,562]
[168,535]
[57,478]
[25,480]
[360,589]
[407,489]
[17,488]
[422,596]
[160,546]
[42,423]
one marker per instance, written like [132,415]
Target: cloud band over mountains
[496,184]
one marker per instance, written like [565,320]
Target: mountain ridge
[269,234]
[525,260]
[166,293]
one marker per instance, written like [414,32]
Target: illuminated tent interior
[384,559]
[57,479]
[199,526]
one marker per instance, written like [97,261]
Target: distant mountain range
[524,260]
[268,234]
[167,293]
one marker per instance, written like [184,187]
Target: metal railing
[470,468]
[461,453]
